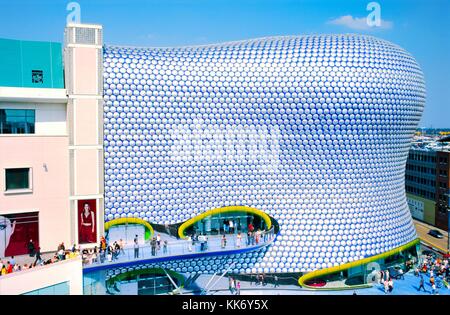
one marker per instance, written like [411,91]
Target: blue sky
[420,26]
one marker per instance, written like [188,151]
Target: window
[17,121]
[56,289]
[17,178]
[37,76]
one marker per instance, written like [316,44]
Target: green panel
[429,208]
[10,63]
[57,65]
[18,59]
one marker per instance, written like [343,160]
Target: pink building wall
[50,184]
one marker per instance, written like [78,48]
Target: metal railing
[213,243]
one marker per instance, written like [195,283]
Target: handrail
[137,272]
[184,248]
[40,267]
[171,243]
[192,221]
[321,272]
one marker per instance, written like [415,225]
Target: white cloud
[359,23]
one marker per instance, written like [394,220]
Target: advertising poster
[87,216]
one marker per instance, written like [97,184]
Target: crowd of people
[387,281]
[253,238]
[112,251]
[103,252]
[8,266]
[436,268]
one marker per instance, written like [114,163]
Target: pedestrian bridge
[182,249]
[180,245]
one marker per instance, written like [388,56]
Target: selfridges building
[312,130]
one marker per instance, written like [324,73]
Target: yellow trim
[326,271]
[120,221]
[194,220]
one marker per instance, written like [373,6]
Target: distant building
[427,181]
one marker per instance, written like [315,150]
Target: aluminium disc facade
[313,130]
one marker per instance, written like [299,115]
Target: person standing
[153,244]
[38,256]
[391,285]
[238,288]
[103,244]
[433,288]
[189,241]
[401,274]
[250,227]
[225,226]
[30,248]
[136,247]
[233,286]
[9,267]
[275,281]
[238,240]
[201,239]
[116,250]
[122,246]
[110,254]
[230,285]
[158,240]
[231,225]
[223,241]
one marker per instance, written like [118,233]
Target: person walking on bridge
[136,247]
[154,243]
[422,284]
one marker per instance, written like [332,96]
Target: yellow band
[326,271]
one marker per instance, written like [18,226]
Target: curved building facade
[312,130]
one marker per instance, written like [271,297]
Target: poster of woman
[87,230]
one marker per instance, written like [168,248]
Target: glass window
[57,289]
[17,178]
[17,121]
